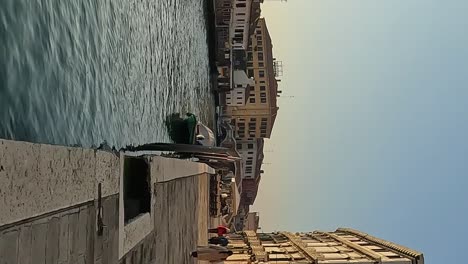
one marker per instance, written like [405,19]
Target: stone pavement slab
[9,247]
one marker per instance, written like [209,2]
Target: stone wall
[36,179]
[68,236]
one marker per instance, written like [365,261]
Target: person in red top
[220,230]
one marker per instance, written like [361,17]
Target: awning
[210,139]
[235,196]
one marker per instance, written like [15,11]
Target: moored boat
[189,130]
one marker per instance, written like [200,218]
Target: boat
[189,130]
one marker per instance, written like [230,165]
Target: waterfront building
[242,83]
[252,221]
[260,109]
[249,190]
[342,246]
[244,18]
[245,14]
[251,152]
[223,10]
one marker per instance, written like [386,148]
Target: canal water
[88,71]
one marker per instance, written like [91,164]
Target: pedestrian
[222,241]
[211,253]
[220,230]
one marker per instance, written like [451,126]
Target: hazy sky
[376,136]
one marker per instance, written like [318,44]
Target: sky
[372,131]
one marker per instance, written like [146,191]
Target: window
[259,38]
[263,100]
[250,73]
[238,146]
[249,162]
[262,88]
[259,48]
[261,64]
[252,100]
[253,119]
[260,56]
[240,5]
[250,146]
[261,73]
[263,95]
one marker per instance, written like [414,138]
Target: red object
[222,230]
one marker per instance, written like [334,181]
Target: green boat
[188,130]
[182,130]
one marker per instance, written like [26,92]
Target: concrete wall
[68,236]
[36,179]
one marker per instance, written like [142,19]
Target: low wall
[37,178]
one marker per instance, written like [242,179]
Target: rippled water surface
[88,71]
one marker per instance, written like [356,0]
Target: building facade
[237,96]
[252,221]
[261,108]
[251,152]
[223,13]
[343,246]
[244,14]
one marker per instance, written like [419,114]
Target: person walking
[211,253]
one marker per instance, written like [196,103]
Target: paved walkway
[181,218]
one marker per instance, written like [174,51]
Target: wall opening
[136,188]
